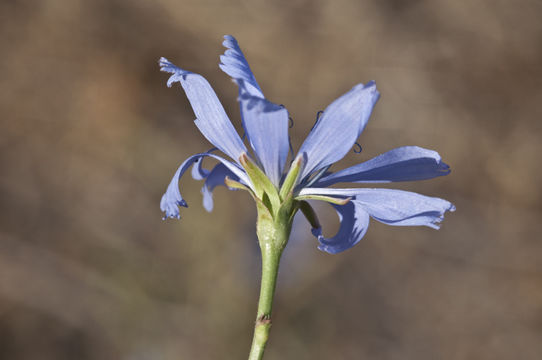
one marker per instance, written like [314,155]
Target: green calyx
[291,178]
[276,208]
[264,190]
[274,231]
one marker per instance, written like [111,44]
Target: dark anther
[291,122]
[357,148]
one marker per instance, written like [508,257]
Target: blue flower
[335,133]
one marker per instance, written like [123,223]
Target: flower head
[265,174]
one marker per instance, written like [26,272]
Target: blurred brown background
[90,137]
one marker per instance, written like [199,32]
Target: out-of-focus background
[90,137]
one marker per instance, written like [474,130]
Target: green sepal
[310,214]
[329,199]
[274,231]
[291,179]
[284,215]
[262,208]
[262,184]
[265,218]
[235,184]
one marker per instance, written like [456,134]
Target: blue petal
[406,163]
[266,125]
[234,64]
[211,119]
[215,178]
[393,207]
[172,199]
[198,171]
[354,223]
[403,208]
[339,127]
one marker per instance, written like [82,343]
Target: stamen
[318,114]
[357,148]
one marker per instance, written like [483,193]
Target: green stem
[270,266]
[273,233]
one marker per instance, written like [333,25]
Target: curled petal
[215,178]
[234,64]
[172,199]
[406,163]
[339,127]
[211,119]
[266,125]
[354,223]
[198,171]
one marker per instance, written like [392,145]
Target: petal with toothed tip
[211,119]
[407,163]
[393,207]
[234,64]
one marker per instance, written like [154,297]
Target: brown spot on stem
[265,319]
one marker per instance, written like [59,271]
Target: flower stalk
[273,234]
[270,267]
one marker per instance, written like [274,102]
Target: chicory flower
[265,174]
